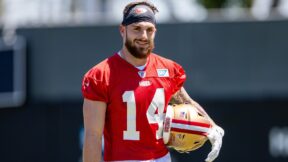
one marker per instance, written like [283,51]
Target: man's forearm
[92,149]
[181,97]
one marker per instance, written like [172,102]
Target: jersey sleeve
[179,78]
[94,88]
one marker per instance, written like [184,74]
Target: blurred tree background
[222,3]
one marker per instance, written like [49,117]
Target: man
[126,95]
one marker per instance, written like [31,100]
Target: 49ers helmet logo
[140,10]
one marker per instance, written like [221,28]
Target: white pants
[166,158]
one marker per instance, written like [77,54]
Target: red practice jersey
[136,104]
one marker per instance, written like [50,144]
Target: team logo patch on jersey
[142,74]
[144,83]
[163,72]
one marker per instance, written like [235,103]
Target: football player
[126,95]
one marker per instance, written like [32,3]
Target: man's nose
[144,34]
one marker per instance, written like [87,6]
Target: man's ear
[122,30]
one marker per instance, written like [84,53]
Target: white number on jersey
[158,102]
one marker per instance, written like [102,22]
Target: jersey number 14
[153,116]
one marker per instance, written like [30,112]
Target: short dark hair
[129,6]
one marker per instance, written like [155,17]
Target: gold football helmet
[185,129]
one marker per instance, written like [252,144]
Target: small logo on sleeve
[163,72]
[86,83]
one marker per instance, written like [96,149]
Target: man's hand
[215,137]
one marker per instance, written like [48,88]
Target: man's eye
[149,30]
[137,29]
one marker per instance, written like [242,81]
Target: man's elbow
[92,135]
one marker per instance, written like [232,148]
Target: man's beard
[139,52]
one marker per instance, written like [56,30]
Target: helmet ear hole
[186,116]
[199,114]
